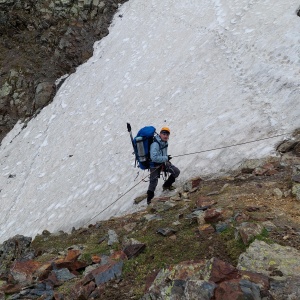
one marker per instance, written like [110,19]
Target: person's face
[164,136]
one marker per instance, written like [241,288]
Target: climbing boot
[150,196]
[170,188]
[168,183]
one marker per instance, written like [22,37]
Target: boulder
[249,230]
[286,289]
[43,94]
[237,289]
[192,184]
[217,271]
[15,248]
[213,215]
[296,190]
[112,237]
[199,289]
[23,271]
[263,258]
[206,229]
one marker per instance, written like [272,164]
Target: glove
[169,157]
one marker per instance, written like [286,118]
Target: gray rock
[250,290]
[277,193]
[15,248]
[286,289]
[166,231]
[263,258]
[63,274]
[140,198]
[287,146]
[114,271]
[249,230]
[112,237]
[269,226]
[220,227]
[296,190]
[296,178]
[43,94]
[199,289]
[151,217]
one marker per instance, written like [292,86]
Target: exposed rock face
[41,41]
[271,260]
[17,247]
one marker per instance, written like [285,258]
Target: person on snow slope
[159,160]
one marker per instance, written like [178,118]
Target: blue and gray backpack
[141,145]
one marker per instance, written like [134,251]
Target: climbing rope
[234,145]
[208,150]
[143,179]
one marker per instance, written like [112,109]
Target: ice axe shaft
[131,137]
[129,130]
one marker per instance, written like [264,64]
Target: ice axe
[131,137]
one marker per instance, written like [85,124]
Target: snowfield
[217,72]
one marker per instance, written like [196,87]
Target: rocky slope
[41,41]
[236,237]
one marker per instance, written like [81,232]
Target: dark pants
[155,172]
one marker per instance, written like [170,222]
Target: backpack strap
[160,147]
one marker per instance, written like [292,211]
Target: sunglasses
[165,133]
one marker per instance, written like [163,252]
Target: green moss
[263,236]
[233,246]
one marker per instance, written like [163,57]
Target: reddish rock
[229,290]
[259,171]
[205,201]
[42,272]
[252,208]
[212,215]
[118,255]
[241,218]
[221,271]
[22,271]
[52,280]
[72,255]
[206,229]
[73,266]
[196,182]
[96,294]
[96,259]
[58,296]
[11,288]
[249,230]
[192,185]
[81,292]
[262,280]
[271,172]
[150,279]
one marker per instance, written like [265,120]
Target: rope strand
[121,196]
[208,150]
[249,142]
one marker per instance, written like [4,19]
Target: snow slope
[217,72]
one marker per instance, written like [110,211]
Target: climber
[160,160]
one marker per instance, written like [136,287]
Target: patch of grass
[263,236]
[233,246]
